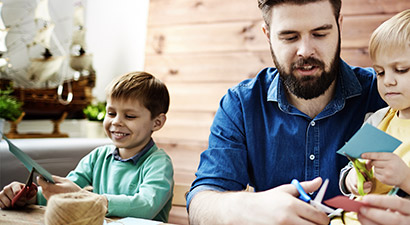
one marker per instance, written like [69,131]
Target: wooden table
[30,215]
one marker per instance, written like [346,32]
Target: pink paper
[345,203]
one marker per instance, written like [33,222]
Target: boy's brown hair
[141,86]
[391,35]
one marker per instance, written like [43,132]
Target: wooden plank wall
[200,48]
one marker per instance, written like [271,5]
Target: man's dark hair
[266,7]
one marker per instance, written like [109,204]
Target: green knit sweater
[143,190]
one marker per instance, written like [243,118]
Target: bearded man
[287,122]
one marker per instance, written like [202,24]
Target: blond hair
[391,35]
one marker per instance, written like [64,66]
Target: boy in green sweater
[133,175]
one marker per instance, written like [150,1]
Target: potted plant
[10,107]
[95,114]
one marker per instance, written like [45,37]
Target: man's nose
[305,48]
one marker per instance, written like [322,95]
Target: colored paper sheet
[369,139]
[28,162]
[344,203]
[133,221]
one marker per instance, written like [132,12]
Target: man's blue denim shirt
[258,138]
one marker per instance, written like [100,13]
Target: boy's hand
[62,185]
[384,209]
[351,183]
[11,190]
[389,168]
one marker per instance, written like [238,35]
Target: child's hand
[11,190]
[62,185]
[389,168]
[351,183]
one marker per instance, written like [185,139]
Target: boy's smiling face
[129,125]
[393,79]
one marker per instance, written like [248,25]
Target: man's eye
[380,73]
[319,35]
[111,113]
[130,117]
[290,38]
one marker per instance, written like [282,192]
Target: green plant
[95,112]
[10,106]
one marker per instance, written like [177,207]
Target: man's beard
[308,87]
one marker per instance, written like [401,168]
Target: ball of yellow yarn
[75,208]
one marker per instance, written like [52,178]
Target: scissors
[363,174]
[26,189]
[317,202]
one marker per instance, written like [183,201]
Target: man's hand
[284,208]
[11,190]
[62,185]
[384,209]
[275,206]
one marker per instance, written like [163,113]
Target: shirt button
[312,157]
[312,123]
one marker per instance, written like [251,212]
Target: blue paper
[369,139]
[28,162]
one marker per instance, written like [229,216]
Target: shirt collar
[347,86]
[115,153]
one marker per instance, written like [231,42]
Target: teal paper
[369,139]
[28,162]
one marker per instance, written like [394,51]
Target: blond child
[390,52]
[133,175]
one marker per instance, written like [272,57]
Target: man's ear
[159,121]
[340,23]
[265,29]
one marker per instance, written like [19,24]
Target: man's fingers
[289,188]
[308,186]
[312,185]
[306,213]
[312,214]
[320,219]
